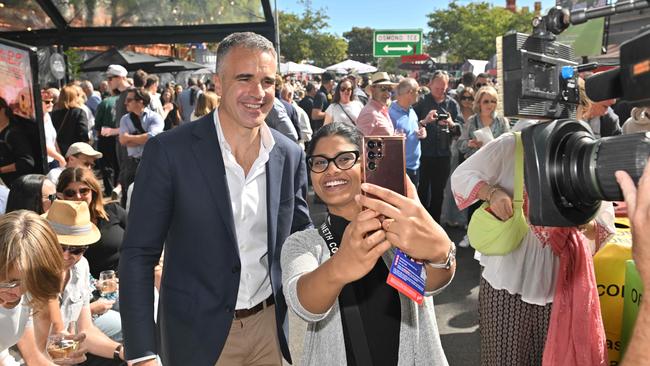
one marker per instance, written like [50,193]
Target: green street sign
[397,42]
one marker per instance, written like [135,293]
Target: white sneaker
[464,243]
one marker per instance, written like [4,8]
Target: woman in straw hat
[30,275]
[72,224]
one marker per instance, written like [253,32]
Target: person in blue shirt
[136,127]
[406,122]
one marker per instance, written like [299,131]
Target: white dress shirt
[248,201]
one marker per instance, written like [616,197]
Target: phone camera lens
[379,155]
[371,155]
[372,165]
[371,144]
[379,144]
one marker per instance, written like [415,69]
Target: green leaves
[469,31]
[301,38]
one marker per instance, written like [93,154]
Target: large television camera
[568,171]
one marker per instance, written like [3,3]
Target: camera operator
[638,211]
[600,117]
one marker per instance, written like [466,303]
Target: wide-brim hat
[381,78]
[71,223]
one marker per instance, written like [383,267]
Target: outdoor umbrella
[348,65]
[132,61]
[173,65]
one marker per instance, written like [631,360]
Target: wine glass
[107,284]
[61,345]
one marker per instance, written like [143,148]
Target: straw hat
[381,78]
[71,223]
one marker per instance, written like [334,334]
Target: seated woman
[76,232]
[397,330]
[31,266]
[80,184]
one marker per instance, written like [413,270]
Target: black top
[105,254]
[379,305]
[16,148]
[71,126]
[438,142]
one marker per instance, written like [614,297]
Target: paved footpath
[456,307]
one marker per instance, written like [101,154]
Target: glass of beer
[107,284]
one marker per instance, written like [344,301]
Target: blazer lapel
[208,156]
[274,168]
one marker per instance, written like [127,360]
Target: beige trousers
[252,341]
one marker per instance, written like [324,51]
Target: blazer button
[228,309]
[235,269]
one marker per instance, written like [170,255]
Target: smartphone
[384,162]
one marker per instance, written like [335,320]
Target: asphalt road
[456,307]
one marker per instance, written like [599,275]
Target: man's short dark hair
[248,40]
[328,76]
[310,87]
[139,78]
[140,94]
[468,78]
[151,79]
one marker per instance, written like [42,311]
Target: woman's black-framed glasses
[343,160]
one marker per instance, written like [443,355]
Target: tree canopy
[302,38]
[360,44]
[469,31]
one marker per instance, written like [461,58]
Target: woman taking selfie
[392,329]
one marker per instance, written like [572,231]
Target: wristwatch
[451,258]
[116,353]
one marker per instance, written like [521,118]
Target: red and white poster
[16,81]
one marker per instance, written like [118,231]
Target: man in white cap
[374,119]
[79,154]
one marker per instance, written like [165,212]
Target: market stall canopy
[130,60]
[175,65]
[351,65]
[129,22]
[295,68]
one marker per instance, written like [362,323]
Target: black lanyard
[352,316]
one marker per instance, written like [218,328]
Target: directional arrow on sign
[388,49]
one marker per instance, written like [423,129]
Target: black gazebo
[131,22]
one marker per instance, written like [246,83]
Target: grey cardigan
[419,341]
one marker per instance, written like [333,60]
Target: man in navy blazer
[222,194]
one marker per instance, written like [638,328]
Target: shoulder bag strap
[518,198]
[65,119]
[346,113]
[351,313]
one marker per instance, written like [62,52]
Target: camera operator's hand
[638,211]
[501,205]
[474,144]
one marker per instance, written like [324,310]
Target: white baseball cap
[116,70]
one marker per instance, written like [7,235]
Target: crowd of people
[219,244]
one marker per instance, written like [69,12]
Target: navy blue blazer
[181,200]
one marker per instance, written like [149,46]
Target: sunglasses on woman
[467,97]
[76,250]
[69,193]
[344,89]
